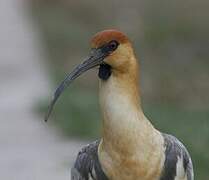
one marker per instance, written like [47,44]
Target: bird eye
[113,45]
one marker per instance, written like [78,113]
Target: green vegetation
[191,127]
[78,115]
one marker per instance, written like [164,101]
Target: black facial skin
[110,47]
[104,71]
[95,58]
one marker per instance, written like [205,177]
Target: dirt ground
[29,148]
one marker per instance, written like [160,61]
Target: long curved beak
[95,58]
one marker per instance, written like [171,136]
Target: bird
[130,148]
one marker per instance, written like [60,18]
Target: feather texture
[87,166]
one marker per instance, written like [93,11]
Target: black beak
[95,58]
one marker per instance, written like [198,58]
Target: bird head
[116,45]
[110,49]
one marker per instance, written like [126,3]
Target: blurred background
[42,40]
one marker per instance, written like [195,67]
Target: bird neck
[123,118]
[127,134]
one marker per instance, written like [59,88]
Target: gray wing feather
[87,165]
[174,150]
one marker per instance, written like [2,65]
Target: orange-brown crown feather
[106,36]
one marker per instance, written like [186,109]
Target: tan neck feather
[123,118]
[126,131]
